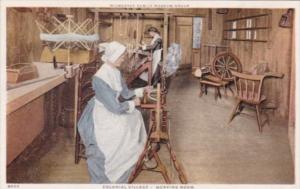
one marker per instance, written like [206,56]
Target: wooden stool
[211,80]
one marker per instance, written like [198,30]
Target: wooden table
[26,109]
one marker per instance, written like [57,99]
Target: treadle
[211,83]
[160,167]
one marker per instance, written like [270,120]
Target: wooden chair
[85,93]
[249,90]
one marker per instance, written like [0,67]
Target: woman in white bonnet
[112,131]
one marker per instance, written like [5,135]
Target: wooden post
[172,38]
[96,21]
[292,98]
[210,19]
[96,31]
[292,87]
[165,38]
[69,31]
[76,101]
[137,31]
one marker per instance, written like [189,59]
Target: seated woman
[112,131]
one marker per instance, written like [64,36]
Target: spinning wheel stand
[158,135]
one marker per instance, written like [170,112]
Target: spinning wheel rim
[224,63]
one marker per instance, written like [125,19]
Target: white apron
[121,138]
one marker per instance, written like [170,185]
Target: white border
[132,4]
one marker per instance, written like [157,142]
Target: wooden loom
[158,134]
[140,66]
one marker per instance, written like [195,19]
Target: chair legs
[77,147]
[217,93]
[236,107]
[258,116]
[225,90]
[201,90]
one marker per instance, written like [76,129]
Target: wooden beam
[246,17]
[111,10]
[152,17]
[165,38]
[144,11]
[264,41]
[255,28]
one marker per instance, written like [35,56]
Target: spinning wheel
[158,135]
[220,73]
[224,63]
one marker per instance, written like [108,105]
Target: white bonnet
[112,51]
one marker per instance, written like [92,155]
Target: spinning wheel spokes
[221,63]
[224,63]
[228,60]
[153,95]
[219,66]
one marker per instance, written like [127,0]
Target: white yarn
[68,37]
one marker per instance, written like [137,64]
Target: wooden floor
[210,151]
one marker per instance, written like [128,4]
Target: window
[233,33]
[248,25]
[197,30]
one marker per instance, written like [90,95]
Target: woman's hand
[137,102]
[139,46]
[148,89]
